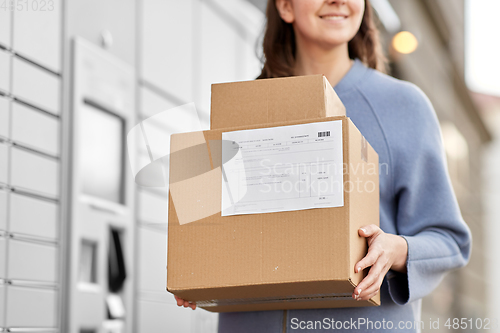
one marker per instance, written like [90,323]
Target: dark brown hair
[279,44]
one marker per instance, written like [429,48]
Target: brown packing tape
[290,298]
[343,302]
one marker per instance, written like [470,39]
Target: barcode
[320,134]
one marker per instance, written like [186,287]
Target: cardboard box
[282,260]
[273,100]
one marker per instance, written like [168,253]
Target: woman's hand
[181,302]
[385,251]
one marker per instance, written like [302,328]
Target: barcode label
[321,134]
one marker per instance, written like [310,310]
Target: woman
[422,234]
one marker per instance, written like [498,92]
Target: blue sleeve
[428,215]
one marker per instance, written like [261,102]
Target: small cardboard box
[281,260]
[273,100]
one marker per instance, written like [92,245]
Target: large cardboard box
[273,100]
[280,260]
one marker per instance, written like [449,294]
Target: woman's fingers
[369,230]
[370,259]
[372,282]
[182,302]
[371,289]
[376,271]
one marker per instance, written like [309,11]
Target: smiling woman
[422,234]
[324,27]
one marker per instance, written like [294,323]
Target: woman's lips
[333,17]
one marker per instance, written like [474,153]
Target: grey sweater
[416,202]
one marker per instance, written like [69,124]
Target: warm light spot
[404,42]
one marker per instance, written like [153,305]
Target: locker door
[5,64]
[2,306]
[34,217]
[35,86]
[4,150]
[3,210]
[5,21]
[3,257]
[38,261]
[167,52]
[4,117]
[35,129]
[152,260]
[29,307]
[152,103]
[153,208]
[37,32]
[34,172]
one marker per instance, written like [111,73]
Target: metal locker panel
[157,317]
[33,172]
[35,129]
[152,259]
[30,307]
[35,85]
[37,32]
[4,152]
[5,61]
[94,308]
[153,208]
[2,305]
[168,67]
[4,117]
[5,19]
[38,261]
[33,217]
[219,46]
[3,210]
[3,257]
[152,103]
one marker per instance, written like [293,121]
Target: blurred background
[82,247]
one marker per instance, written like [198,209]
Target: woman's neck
[333,63]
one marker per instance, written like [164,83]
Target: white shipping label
[283,168]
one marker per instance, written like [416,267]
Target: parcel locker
[35,86]
[33,217]
[34,172]
[5,61]
[39,261]
[100,192]
[35,129]
[30,307]
[4,117]
[37,32]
